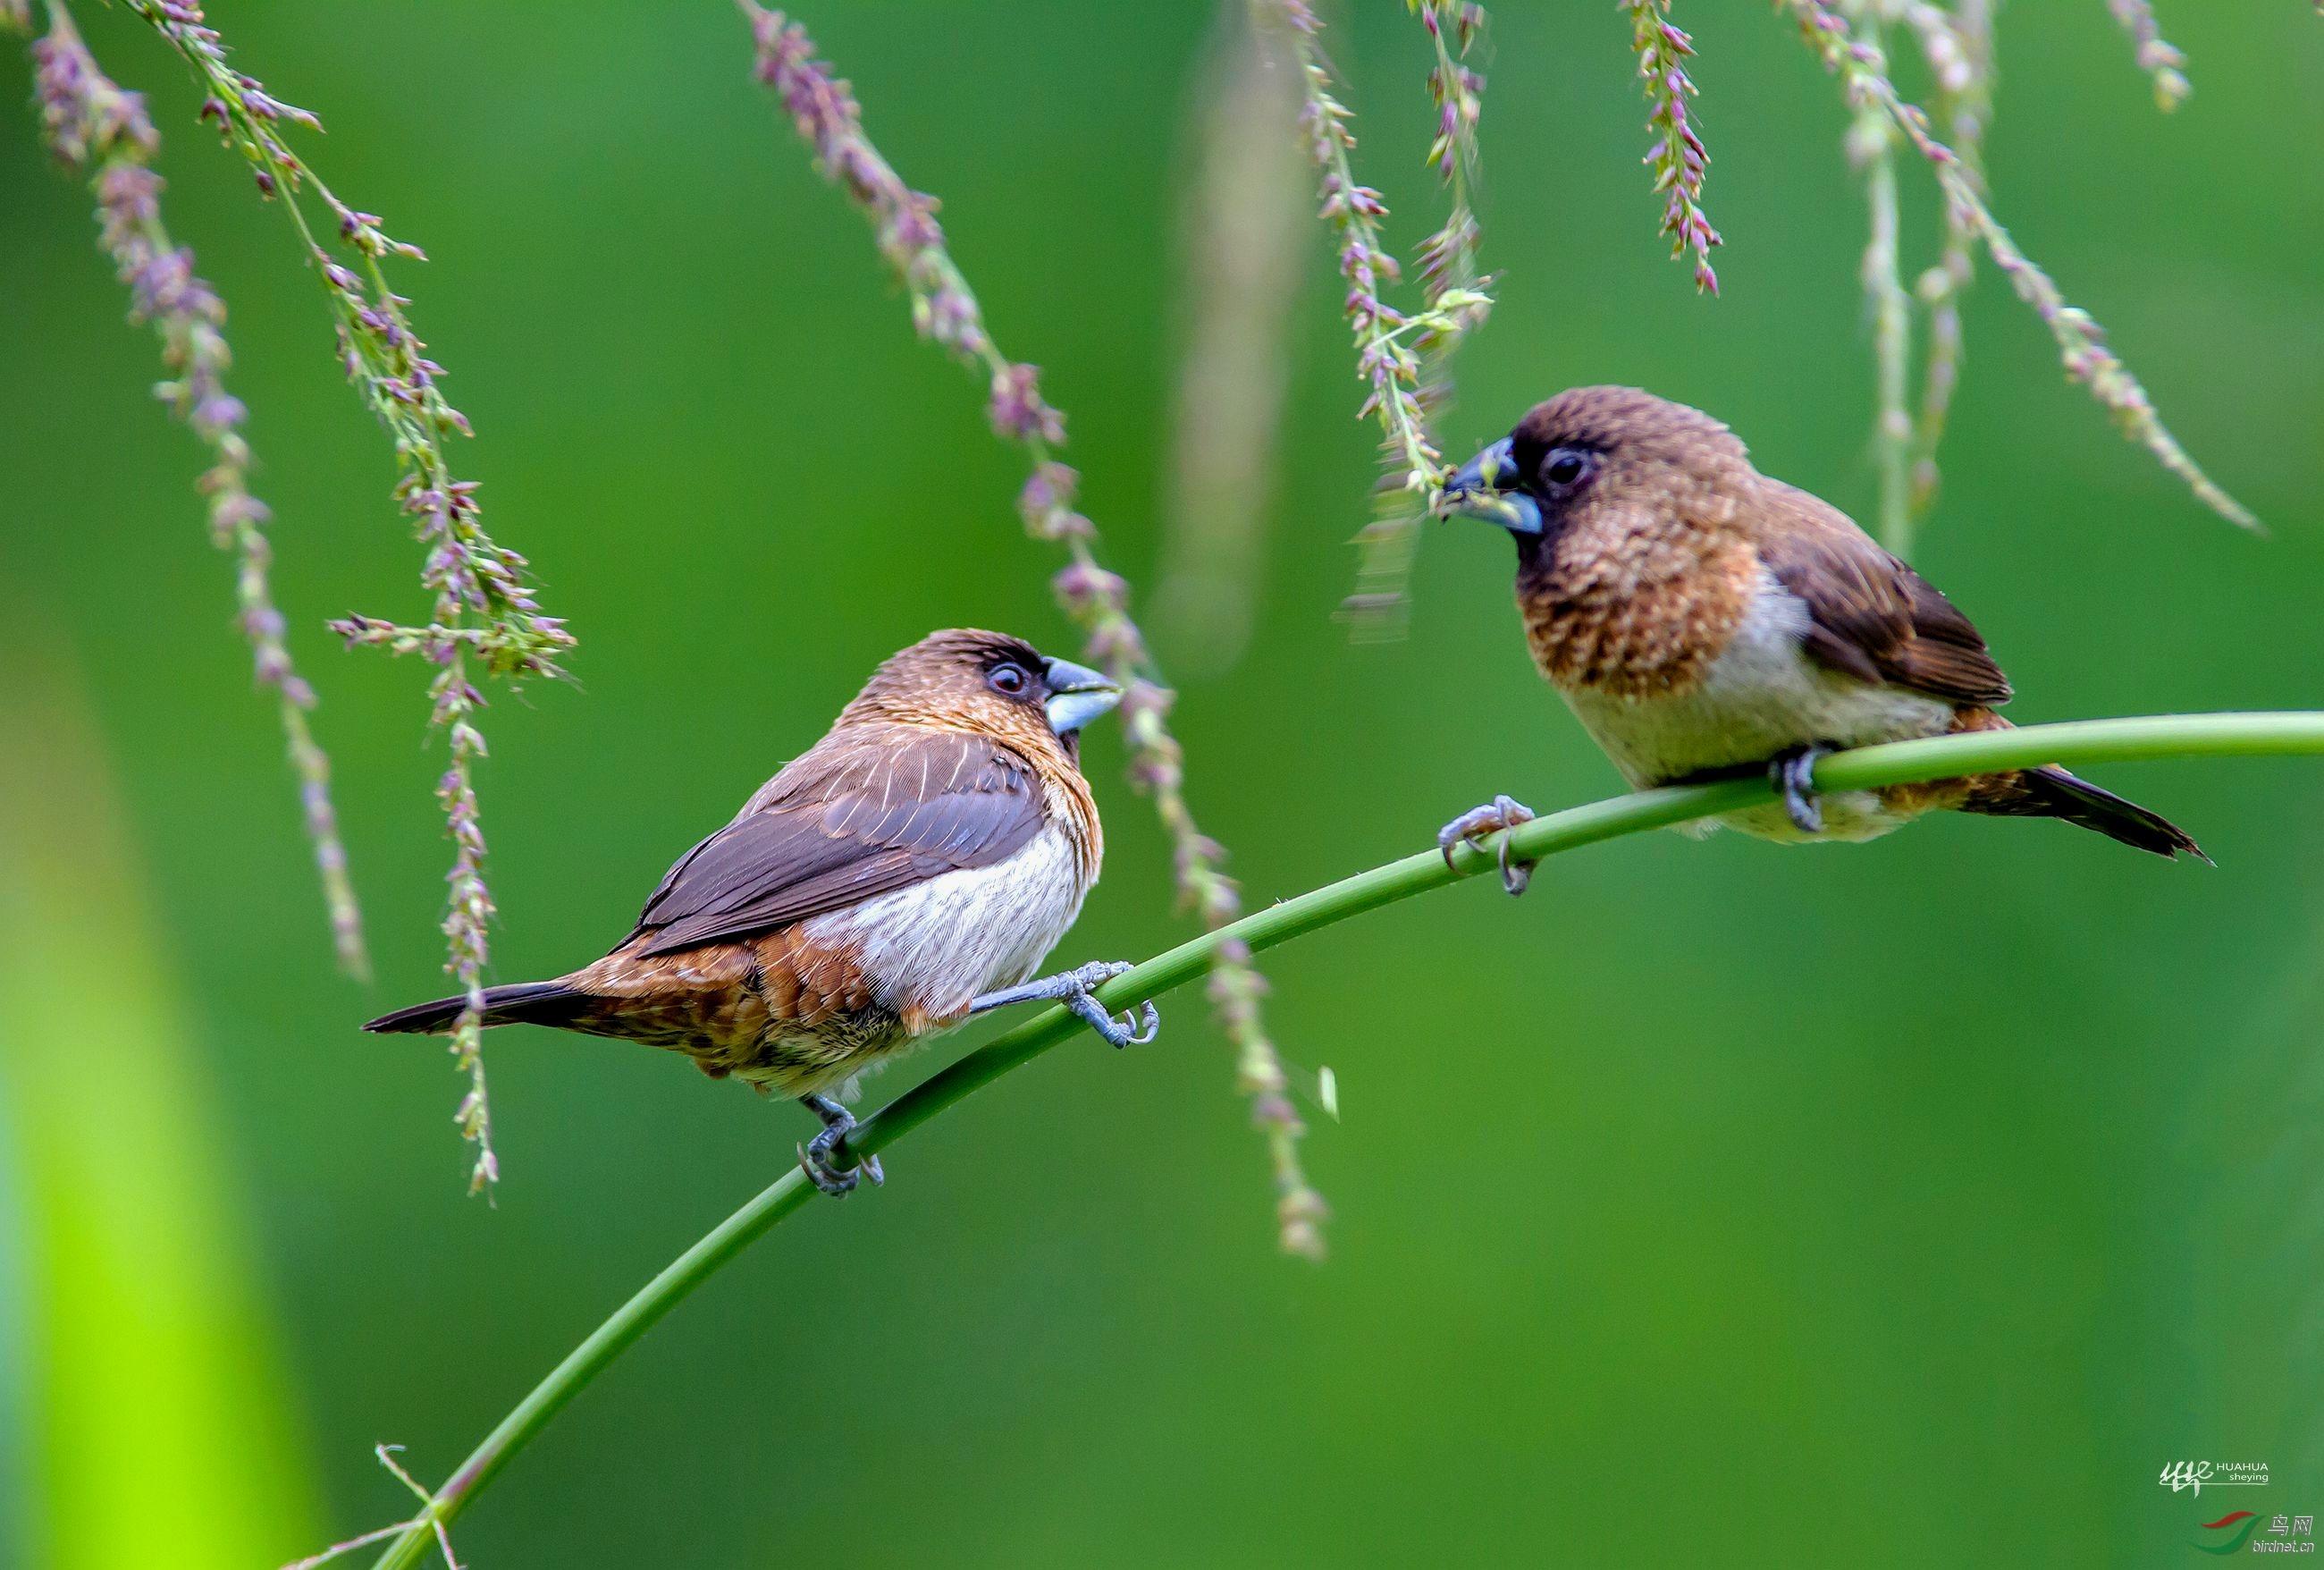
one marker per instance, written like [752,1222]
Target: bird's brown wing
[1874,618]
[852,819]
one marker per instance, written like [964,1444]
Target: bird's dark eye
[1565,466]
[1007,679]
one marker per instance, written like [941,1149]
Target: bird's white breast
[938,944]
[1761,696]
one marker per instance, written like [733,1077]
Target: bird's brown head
[1599,452]
[965,679]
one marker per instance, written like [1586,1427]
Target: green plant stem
[2084,741]
[1872,143]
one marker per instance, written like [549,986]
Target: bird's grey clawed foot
[815,1156]
[1072,988]
[1499,815]
[1793,773]
[1136,1027]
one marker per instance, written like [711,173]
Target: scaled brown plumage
[1703,620]
[912,867]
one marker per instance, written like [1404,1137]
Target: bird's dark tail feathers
[526,1002]
[2052,793]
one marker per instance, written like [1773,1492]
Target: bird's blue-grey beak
[1077,695]
[1480,488]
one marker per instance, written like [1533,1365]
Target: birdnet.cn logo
[2281,1534]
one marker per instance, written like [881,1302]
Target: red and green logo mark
[2242,1520]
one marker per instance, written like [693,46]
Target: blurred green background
[1911,1205]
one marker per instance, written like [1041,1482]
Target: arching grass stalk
[2110,741]
[2156,58]
[945,311]
[1957,46]
[1454,303]
[101,131]
[484,620]
[1398,353]
[1871,144]
[1862,69]
[1240,266]
[1677,157]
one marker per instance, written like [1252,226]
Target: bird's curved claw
[1498,815]
[1136,1027]
[1149,1023]
[815,1156]
[1793,773]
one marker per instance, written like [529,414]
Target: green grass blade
[154,1427]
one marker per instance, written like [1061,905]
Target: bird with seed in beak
[1705,622]
[910,870]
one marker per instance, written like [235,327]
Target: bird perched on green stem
[909,869]
[1705,622]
